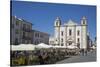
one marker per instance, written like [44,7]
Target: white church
[70,33]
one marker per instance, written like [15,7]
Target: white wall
[84,37]
[62,29]
[79,28]
[57,35]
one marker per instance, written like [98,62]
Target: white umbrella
[59,46]
[56,46]
[23,47]
[63,46]
[42,45]
[93,47]
[71,47]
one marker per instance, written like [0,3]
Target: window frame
[78,32]
[70,32]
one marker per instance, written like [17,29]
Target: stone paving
[91,57]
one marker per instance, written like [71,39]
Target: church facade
[71,33]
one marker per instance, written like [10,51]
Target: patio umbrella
[43,45]
[23,47]
[72,47]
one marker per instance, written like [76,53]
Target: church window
[56,23]
[62,40]
[83,21]
[78,40]
[62,44]
[78,32]
[62,33]
[70,32]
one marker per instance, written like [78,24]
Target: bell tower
[84,20]
[57,25]
[83,33]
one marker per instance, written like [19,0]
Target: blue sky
[43,15]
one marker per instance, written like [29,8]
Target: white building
[40,37]
[70,33]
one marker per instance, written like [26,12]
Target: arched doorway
[70,41]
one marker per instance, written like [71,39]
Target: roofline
[71,25]
[40,32]
[26,21]
[22,20]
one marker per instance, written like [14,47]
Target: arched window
[83,21]
[62,44]
[70,32]
[62,33]
[62,40]
[78,32]
[78,40]
[56,23]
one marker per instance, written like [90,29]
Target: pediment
[70,23]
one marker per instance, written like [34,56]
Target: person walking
[82,52]
[85,52]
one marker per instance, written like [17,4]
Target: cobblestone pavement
[91,56]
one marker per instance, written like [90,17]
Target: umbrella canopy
[56,46]
[43,45]
[23,47]
[59,46]
[72,47]
[93,47]
[63,46]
